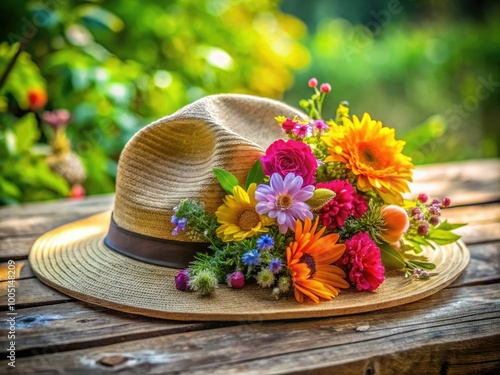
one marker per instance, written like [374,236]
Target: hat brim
[74,260]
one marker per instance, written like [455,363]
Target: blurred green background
[429,69]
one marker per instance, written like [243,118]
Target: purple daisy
[284,199]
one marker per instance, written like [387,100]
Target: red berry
[325,88]
[446,202]
[313,82]
[422,198]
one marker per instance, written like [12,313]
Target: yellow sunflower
[309,259]
[373,154]
[238,216]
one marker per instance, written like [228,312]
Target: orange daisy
[373,154]
[309,259]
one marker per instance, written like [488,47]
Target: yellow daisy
[238,217]
[373,154]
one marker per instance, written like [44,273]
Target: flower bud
[236,280]
[325,88]
[313,82]
[182,280]
[446,202]
[422,198]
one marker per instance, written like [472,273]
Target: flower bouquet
[321,211]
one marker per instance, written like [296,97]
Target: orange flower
[372,153]
[309,259]
[396,223]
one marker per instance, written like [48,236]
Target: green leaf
[8,189]
[423,265]
[226,180]
[442,237]
[391,258]
[417,248]
[448,226]
[26,132]
[256,174]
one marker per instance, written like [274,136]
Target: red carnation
[334,213]
[362,262]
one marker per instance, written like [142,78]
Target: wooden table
[455,331]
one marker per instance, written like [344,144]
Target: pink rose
[290,157]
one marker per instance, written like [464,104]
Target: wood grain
[426,326]
[31,292]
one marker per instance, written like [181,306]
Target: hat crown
[173,158]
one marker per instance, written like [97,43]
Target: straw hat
[126,260]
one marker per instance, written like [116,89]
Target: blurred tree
[119,65]
[409,63]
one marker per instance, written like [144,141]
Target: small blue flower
[265,242]
[251,257]
[275,265]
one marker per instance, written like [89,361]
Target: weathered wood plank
[16,247]
[484,266]
[21,267]
[428,326]
[466,182]
[32,292]
[77,325]
[38,218]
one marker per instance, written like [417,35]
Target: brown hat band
[175,254]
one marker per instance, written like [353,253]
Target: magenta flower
[362,262]
[360,205]
[302,130]
[284,199]
[320,126]
[236,280]
[182,280]
[288,125]
[290,157]
[334,213]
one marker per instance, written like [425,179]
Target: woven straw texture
[172,159]
[74,260]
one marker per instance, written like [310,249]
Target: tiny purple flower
[435,210]
[320,126]
[284,200]
[436,202]
[434,220]
[275,265]
[423,229]
[236,280]
[179,223]
[182,280]
[302,131]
